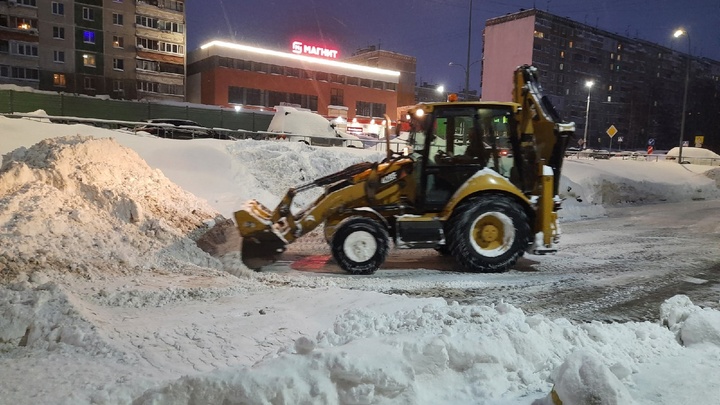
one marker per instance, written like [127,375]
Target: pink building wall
[507,46]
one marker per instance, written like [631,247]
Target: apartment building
[126,49]
[637,85]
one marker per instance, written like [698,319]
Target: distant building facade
[638,85]
[124,49]
[232,74]
[405,64]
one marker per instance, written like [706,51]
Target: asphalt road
[617,268]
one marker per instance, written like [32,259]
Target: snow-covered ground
[105,298]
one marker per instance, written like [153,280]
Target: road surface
[617,268]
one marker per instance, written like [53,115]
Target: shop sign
[305,49]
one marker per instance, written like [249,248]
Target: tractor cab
[451,142]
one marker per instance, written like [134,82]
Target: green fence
[59,104]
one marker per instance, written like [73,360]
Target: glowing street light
[589,85]
[441,91]
[677,34]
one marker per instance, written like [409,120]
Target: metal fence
[78,106]
[164,130]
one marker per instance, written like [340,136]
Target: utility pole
[467,71]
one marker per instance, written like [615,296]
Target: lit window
[118,42]
[89,37]
[88,60]
[609,99]
[59,79]
[570,44]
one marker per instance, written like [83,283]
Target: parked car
[175,128]
[311,128]
[600,154]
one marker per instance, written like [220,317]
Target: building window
[24,49]
[24,73]
[254,97]
[4,46]
[23,23]
[89,37]
[118,42]
[235,95]
[58,8]
[88,14]
[59,32]
[337,97]
[30,3]
[365,83]
[144,43]
[117,19]
[59,56]
[89,83]
[88,60]
[118,86]
[175,5]
[59,79]
[118,64]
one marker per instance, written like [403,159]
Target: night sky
[436,31]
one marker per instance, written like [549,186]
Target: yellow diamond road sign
[611,131]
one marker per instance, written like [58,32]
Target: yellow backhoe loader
[479,183]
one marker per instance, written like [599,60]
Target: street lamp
[677,34]
[467,76]
[589,85]
[441,90]
[467,65]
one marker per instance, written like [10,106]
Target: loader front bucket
[261,248]
[261,245]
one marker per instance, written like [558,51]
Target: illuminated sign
[304,49]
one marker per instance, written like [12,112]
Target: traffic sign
[611,131]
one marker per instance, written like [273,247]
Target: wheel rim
[492,234]
[360,246]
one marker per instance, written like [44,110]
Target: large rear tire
[489,233]
[360,245]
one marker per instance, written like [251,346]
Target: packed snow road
[617,268]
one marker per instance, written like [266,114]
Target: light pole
[677,34]
[467,76]
[589,85]
[467,64]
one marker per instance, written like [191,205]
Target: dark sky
[436,31]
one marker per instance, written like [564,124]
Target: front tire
[489,233]
[360,245]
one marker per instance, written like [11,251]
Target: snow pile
[590,186]
[270,169]
[489,354]
[90,206]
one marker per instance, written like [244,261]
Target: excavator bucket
[261,244]
[261,249]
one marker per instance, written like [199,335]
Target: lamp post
[589,85]
[467,64]
[467,75]
[677,34]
